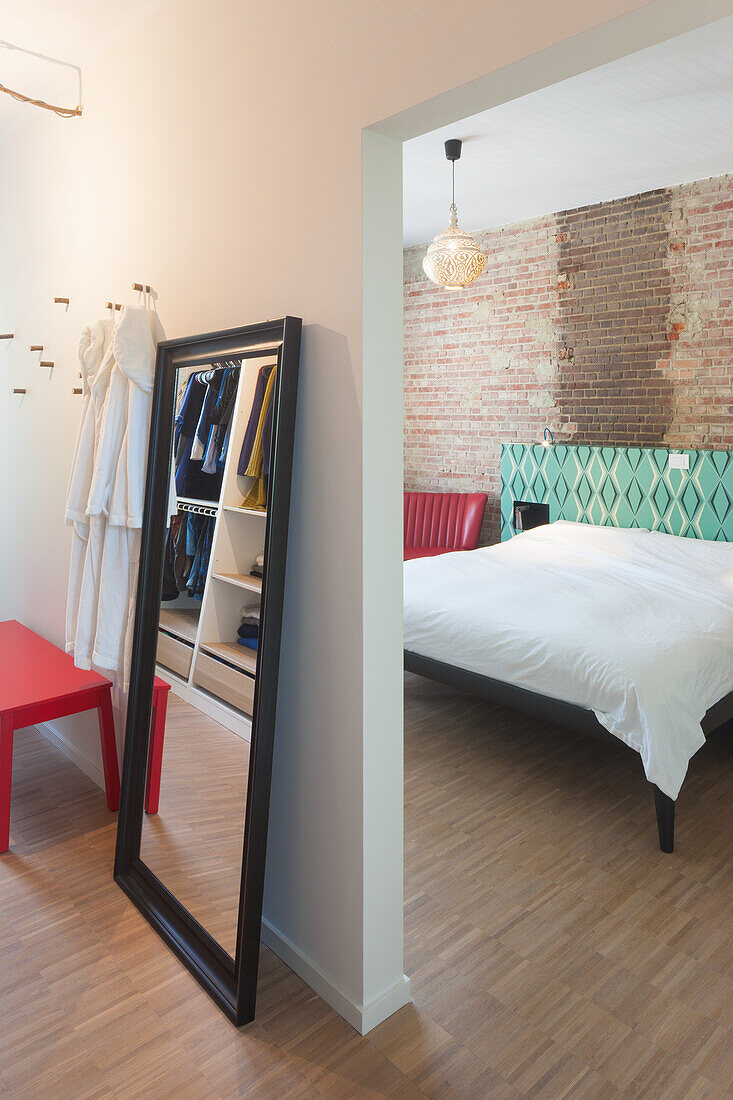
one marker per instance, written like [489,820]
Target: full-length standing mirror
[203,689]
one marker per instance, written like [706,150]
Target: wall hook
[20,391]
[7,335]
[45,363]
[36,347]
[61,301]
[141,287]
[77,389]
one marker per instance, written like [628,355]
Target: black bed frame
[569,715]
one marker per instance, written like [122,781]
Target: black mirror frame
[232,983]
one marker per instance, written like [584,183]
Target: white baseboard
[381,1008]
[49,731]
[362,1017]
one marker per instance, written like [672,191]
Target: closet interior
[215,580]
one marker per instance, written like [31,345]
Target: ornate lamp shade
[454,259]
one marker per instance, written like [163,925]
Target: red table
[155,753]
[39,682]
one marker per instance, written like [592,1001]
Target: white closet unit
[198,653]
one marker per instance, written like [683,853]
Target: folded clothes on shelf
[249,630]
[250,643]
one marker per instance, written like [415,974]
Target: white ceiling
[659,117]
[70,30]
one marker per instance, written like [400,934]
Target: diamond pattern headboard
[621,487]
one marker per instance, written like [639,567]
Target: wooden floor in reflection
[553,950]
[194,843]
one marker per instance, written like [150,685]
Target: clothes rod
[197,509]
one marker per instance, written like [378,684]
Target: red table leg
[6,778]
[109,749]
[155,752]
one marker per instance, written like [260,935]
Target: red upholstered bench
[438,523]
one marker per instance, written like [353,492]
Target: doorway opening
[524,843]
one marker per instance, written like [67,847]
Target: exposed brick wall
[614,297]
[610,323]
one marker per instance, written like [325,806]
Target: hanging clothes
[170,589]
[185,427]
[225,427]
[202,431]
[256,498]
[92,346]
[181,563]
[212,381]
[254,419]
[213,458]
[198,547]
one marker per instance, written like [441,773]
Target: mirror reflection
[208,636]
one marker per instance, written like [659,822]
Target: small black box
[527,515]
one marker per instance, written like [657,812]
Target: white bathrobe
[92,346]
[105,606]
[118,488]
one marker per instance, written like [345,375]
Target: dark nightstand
[527,515]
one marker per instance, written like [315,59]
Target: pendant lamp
[454,259]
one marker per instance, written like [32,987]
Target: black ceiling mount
[453,148]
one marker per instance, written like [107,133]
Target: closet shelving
[198,654]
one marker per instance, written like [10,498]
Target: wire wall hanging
[62,112]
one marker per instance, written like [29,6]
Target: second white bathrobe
[86,553]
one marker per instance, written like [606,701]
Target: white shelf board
[241,580]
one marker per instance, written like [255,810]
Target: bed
[624,634]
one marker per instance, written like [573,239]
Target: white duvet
[635,626]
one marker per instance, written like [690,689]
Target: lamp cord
[453,172]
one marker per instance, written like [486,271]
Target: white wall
[219,159]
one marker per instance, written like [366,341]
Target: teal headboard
[621,487]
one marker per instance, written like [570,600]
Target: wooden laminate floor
[553,950]
[203,792]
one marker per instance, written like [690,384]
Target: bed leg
[664,806]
